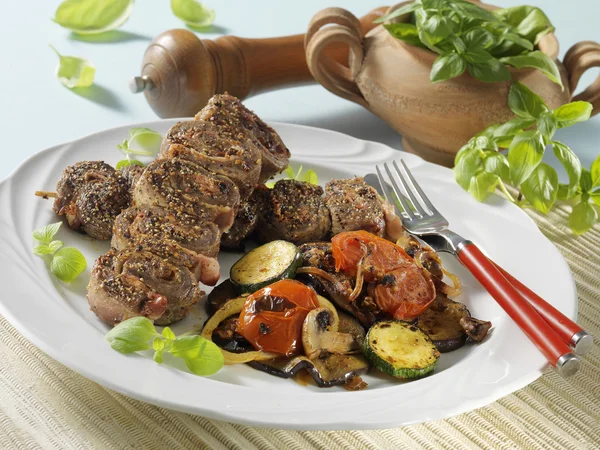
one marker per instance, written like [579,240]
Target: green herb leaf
[193,13]
[547,125]
[406,9]
[595,172]
[158,356]
[142,141]
[595,196]
[536,60]
[471,10]
[571,113]
[541,187]
[479,38]
[434,29]
[74,72]
[310,176]
[446,67]
[201,356]
[518,40]
[524,102]
[529,21]
[504,134]
[128,162]
[45,234]
[489,72]
[466,166]
[524,155]
[68,263]
[497,164]
[572,166]
[131,335]
[406,32]
[482,185]
[168,334]
[93,16]
[585,181]
[289,171]
[158,344]
[582,218]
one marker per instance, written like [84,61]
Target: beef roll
[294,211]
[201,142]
[134,283]
[90,194]
[182,186]
[234,120]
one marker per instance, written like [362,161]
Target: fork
[426,221]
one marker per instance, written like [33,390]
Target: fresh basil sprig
[310,176]
[201,356]
[468,37]
[65,262]
[480,167]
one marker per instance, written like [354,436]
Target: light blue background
[37,112]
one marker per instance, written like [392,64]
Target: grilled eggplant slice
[220,295]
[442,323]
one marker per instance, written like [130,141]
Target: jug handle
[581,57]
[343,28]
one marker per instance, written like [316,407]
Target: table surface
[28,86]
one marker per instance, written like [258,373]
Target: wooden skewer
[45,194]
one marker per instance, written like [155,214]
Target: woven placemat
[45,405]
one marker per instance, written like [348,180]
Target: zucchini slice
[264,265]
[400,349]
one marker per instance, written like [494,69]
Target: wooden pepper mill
[181,72]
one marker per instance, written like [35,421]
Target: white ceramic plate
[56,317]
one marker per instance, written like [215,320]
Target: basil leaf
[158,356]
[513,38]
[497,164]
[524,155]
[595,172]
[289,171]
[68,263]
[74,72]
[168,333]
[310,176]
[529,21]
[479,38]
[146,140]
[128,162]
[406,9]
[434,29]
[45,234]
[536,60]
[541,187]
[525,103]
[201,356]
[596,198]
[503,134]
[582,218]
[489,72]
[547,125]
[93,16]
[158,344]
[210,363]
[131,335]
[573,112]
[446,67]
[406,32]
[585,181]
[470,10]
[466,165]
[572,166]
[482,185]
[193,13]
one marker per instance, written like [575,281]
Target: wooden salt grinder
[181,72]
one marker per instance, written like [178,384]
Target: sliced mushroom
[319,339]
[476,329]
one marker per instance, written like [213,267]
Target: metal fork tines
[419,214]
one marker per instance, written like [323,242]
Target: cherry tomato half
[271,319]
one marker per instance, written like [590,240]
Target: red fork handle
[569,331]
[556,351]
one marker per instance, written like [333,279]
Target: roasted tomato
[380,256]
[272,317]
[405,292]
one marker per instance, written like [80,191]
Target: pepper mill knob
[180,72]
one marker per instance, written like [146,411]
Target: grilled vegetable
[400,349]
[220,295]
[264,265]
[442,323]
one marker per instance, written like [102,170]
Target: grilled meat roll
[234,120]
[134,283]
[202,143]
[246,220]
[354,205]
[198,234]
[182,186]
[90,194]
[132,174]
[294,211]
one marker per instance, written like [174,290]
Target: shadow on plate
[109,36]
